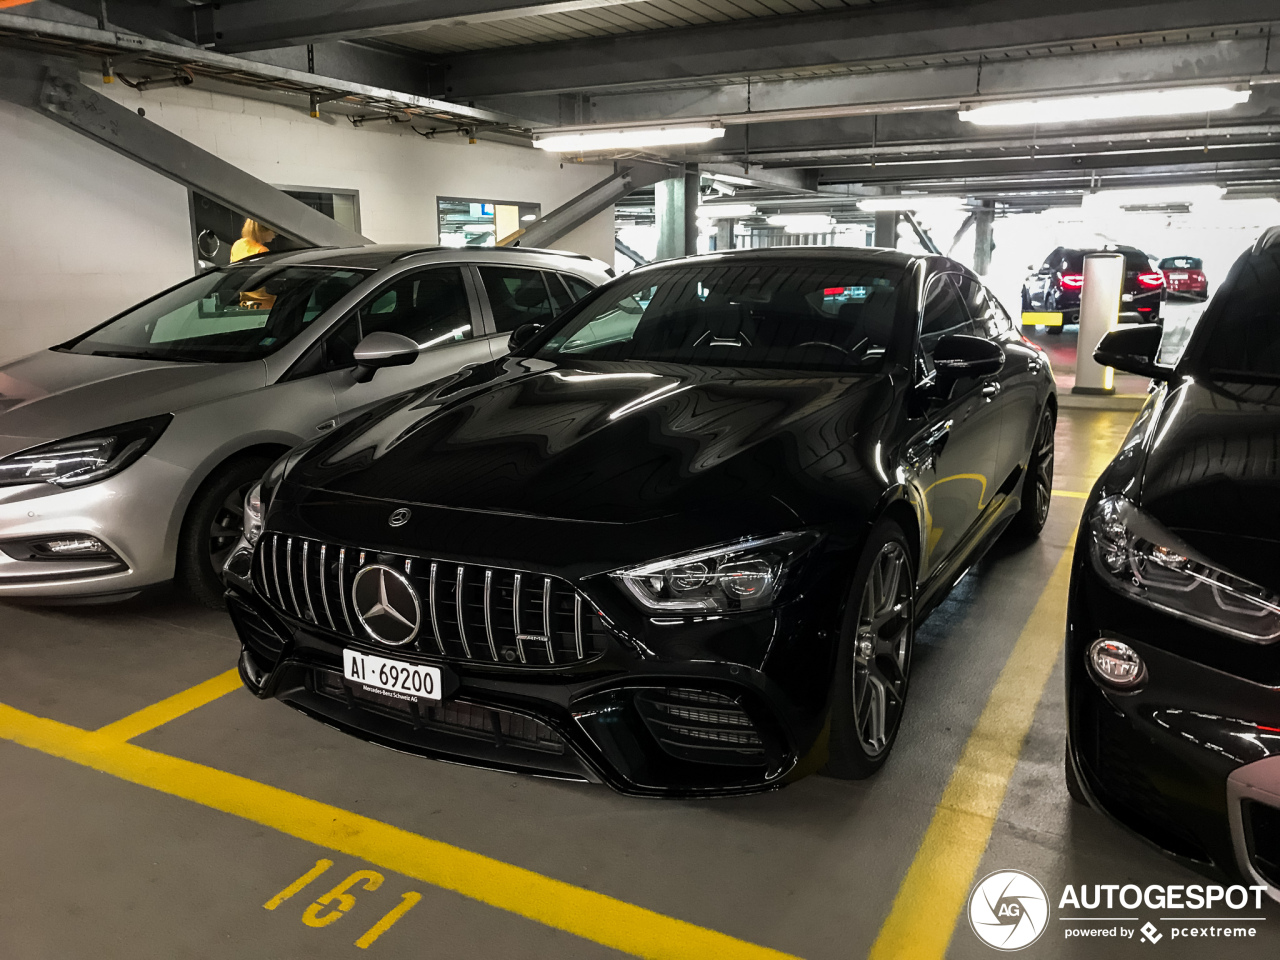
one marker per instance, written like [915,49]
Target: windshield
[1240,336]
[1180,263]
[827,316]
[239,313]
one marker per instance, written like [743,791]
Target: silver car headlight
[254,514]
[726,578]
[1140,558]
[83,459]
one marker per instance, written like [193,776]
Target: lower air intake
[701,726]
[1262,827]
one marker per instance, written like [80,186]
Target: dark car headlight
[83,459]
[1140,558]
[726,578]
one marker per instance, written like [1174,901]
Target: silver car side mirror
[382,349]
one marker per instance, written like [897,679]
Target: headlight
[1140,558]
[723,579]
[253,514]
[83,459]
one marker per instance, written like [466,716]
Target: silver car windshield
[238,313]
[826,317]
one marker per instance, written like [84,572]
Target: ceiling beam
[262,24]
[913,31]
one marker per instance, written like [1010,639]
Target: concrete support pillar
[886,229]
[676,211]
[984,237]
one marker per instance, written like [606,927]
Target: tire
[869,690]
[1073,782]
[1035,503]
[212,526]
[1026,301]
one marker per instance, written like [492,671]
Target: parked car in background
[125,453]
[1173,622]
[678,541]
[1054,287]
[1184,277]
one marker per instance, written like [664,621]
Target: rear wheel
[212,527]
[869,691]
[1037,484]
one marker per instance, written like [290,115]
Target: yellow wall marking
[158,714]
[584,913]
[407,901]
[933,892]
[1038,319]
[342,900]
[298,885]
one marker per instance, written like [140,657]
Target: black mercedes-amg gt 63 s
[1173,635]
[677,541]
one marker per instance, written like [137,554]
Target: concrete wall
[85,232]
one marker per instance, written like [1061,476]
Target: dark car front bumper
[697,725]
[1159,759]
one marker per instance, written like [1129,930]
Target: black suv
[677,542]
[1055,287]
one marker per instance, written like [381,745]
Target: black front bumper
[1157,760]
[644,726]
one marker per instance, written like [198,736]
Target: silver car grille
[469,612]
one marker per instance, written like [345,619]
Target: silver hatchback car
[125,453]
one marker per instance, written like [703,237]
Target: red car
[1184,277]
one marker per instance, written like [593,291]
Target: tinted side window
[577,286]
[1242,329]
[560,298]
[987,314]
[427,306]
[944,315]
[516,297]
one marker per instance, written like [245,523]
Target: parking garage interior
[155,808]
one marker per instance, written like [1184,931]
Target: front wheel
[212,527]
[1037,483]
[869,691]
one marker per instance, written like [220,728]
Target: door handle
[992,390]
[937,434]
[924,454]
[326,426]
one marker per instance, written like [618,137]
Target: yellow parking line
[933,892]
[593,916]
[158,714]
[1078,494]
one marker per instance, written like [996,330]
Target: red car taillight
[1151,280]
[1073,280]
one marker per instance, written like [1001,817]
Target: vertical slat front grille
[468,612]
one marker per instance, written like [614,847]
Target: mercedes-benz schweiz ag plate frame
[678,542]
[125,453]
[1173,643]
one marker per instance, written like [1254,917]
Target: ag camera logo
[1008,910]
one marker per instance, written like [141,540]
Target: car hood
[54,394]
[540,451]
[1212,473]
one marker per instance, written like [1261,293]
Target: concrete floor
[99,867]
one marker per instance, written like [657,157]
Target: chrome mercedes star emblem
[400,517]
[386,605]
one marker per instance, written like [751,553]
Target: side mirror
[1134,350]
[522,335]
[959,355]
[382,349]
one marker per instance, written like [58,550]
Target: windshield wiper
[125,355]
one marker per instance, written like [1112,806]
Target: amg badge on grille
[387,605]
[400,517]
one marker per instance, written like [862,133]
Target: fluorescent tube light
[1106,106]
[919,202]
[592,141]
[802,222]
[1157,196]
[725,211]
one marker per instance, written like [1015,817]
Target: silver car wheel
[882,648]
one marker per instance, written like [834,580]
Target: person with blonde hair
[254,237]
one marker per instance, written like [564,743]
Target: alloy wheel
[227,526]
[1042,470]
[882,648]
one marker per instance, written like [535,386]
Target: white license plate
[392,678]
[1177,276]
